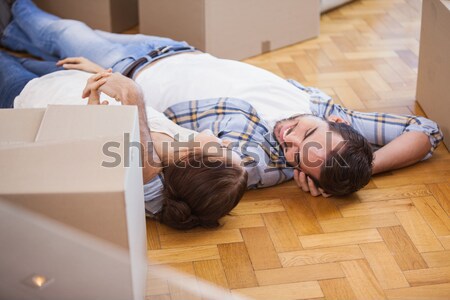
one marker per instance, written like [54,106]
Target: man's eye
[306,134]
[310,132]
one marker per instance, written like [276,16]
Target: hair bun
[178,214]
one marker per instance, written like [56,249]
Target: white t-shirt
[187,76]
[65,87]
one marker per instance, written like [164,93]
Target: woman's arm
[126,91]
[80,63]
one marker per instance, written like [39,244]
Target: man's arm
[402,140]
[403,151]
[126,91]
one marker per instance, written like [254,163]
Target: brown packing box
[108,15]
[433,88]
[233,29]
[51,162]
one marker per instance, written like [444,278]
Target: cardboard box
[433,87]
[233,29]
[52,163]
[109,15]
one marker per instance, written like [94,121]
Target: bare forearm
[403,151]
[151,168]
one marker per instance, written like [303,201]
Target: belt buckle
[159,51]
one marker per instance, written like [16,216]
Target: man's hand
[80,63]
[307,185]
[93,85]
[119,87]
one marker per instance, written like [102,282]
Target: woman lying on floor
[199,187]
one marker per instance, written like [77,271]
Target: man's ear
[336,119]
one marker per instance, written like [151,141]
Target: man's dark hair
[348,169]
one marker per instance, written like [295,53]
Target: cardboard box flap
[55,167]
[19,125]
[71,122]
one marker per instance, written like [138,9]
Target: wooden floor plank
[441,191]
[428,276]
[282,232]
[433,214]
[378,207]
[299,274]
[179,240]
[340,238]
[301,215]
[437,258]
[178,255]
[383,265]
[289,291]
[179,293]
[237,265]
[445,241]
[212,271]
[402,248]
[427,292]
[362,280]
[337,289]
[152,236]
[360,222]
[258,207]
[260,248]
[321,255]
[419,231]
[384,194]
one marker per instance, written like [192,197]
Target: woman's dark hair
[349,169]
[199,190]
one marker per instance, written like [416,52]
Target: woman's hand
[307,185]
[80,63]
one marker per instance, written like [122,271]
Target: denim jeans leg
[38,67]
[13,78]
[63,38]
[67,38]
[17,40]
[127,39]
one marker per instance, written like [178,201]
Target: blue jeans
[51,38]
[15,73]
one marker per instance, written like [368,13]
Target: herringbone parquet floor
[390,240]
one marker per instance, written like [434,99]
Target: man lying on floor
[328,148]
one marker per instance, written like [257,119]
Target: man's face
[304,142]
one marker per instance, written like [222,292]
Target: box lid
[67,154]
